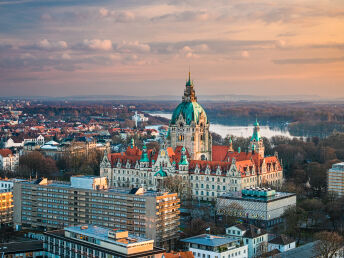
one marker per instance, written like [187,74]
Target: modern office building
[6,207]
[335,179]
[211,246]
[260,206]
[87,200]
[95,241]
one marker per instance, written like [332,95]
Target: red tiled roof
[187,254]
[219,152]
[5,152]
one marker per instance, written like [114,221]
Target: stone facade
[189,126]
[207,170]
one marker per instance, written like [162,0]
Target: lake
[239,131]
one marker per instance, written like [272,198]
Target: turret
[183,159]
[256,143]
[189,92]
[144,155]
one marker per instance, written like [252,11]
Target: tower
[189,126]
[256,143]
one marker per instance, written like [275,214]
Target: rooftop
[338,166]
[241,196]
[118,190]
[26,246]
[209,240]
[103,234]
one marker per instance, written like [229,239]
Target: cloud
[118,16]
[133,46]
[211,46]
[245,54]
[45,44]
[201,15]
[309,60]
[66,56]
[98,44]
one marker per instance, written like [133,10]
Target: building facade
[211,246]
[207,170]
[189,126]
[87,200]
[8,160]
[95,241]
[255,238]
[335,179]
[6,207]
[262,207]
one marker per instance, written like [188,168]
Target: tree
[177,184]
[261,249]
[35,163]
[328,244]
[294,217]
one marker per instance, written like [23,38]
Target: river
[239,131]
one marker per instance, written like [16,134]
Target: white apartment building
[255,238]
[211,246]
[8,160]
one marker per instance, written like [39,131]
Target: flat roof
[60,235]
[102,234]
[117,190]
[18,247]
[240,196]
[209,240]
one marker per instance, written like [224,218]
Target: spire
[189,92]
[132,144]
[189,74]
[256,134]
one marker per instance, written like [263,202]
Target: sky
[145,47]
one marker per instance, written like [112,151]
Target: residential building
[260,206]
[211,246]
[8,160]
[25,249]
[282,243]
[95,241]
[335,179]
[255,238]
[6,207]
[6,184]
[208,170]
[87,200]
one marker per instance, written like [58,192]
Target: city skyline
[63,48]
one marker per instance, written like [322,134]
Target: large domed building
[207,170]
[189,126]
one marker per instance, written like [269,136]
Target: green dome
[191,111]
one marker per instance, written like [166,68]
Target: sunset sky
[258,47]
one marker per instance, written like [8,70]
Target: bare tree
[262,248]
[328,244]
[177,184]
